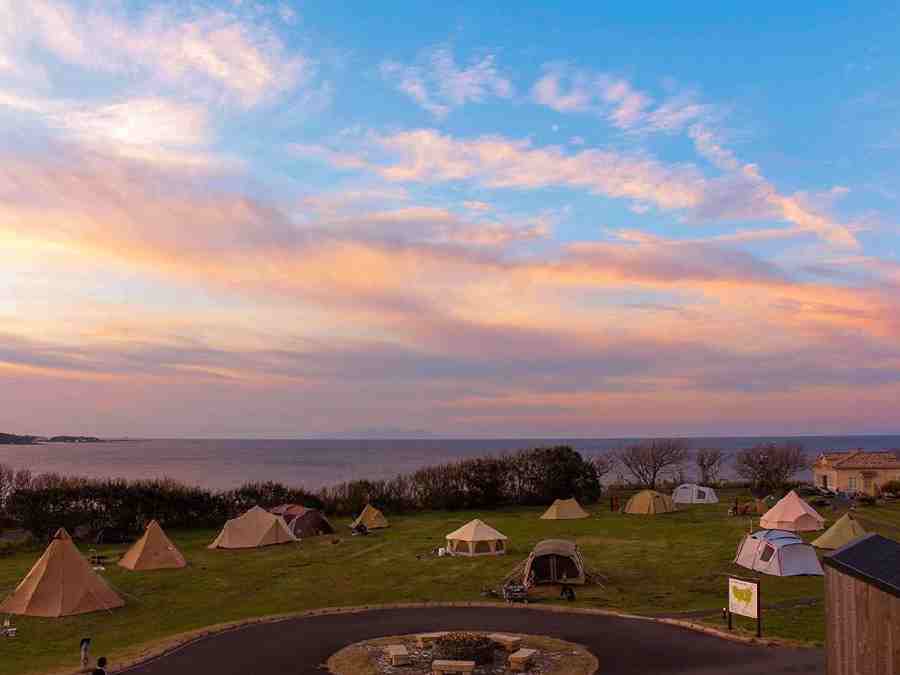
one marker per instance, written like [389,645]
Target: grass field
[654,565]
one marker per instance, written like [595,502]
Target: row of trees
[48,501]
[767,467]
[527,477]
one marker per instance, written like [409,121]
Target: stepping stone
[520,660]
[510,642]
[397,655]
[446,666]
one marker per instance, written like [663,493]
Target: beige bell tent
[61,583]
[792,514]
[476,538]
[650,503]
[555,561]
[257,527]
[153,551]
[564,509]
[845,530]
[371,517]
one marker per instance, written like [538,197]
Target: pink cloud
[438,84]
[216,54]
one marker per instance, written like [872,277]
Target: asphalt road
[622,646]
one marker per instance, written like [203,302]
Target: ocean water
[222,464]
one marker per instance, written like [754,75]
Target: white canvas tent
[793,514]
[689,493]
[257,527]
[779,553]
[476,538]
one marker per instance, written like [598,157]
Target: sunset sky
[287,219]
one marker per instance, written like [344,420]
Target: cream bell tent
[694,494]
[476,538]
[845,530]
[61,583]
[153,551]
[371,517]
[555,561]
[257,527]
[793,514]
[779,553]
[650,503]
[564,509]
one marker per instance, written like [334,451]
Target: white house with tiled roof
[856,470]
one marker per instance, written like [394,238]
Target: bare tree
[651,460]
[6,485]
[604,464]
[709,463]
[769,466]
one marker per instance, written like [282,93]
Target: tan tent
[257,527]
[61,583]
[650,503]
[153,551]
[476,538]
[371,517]
[845,530]
[555,561]
[793,514]
[564,509]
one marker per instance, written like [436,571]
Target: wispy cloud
[151,129]
[428,156]
[439,85]
[615,99]
[211,53]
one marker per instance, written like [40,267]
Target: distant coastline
[225,464]
[17,439]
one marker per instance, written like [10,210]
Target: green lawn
[672,563]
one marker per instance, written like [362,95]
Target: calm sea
[314,463]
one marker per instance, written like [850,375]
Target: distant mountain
[14,439]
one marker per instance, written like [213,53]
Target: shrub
[892,487]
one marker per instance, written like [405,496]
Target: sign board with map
[743,599]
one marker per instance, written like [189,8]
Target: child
[101,666]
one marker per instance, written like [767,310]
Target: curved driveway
[299,646]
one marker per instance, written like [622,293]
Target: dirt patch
[555,657]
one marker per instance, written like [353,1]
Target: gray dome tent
[555,561]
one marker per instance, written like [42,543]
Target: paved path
[623,646]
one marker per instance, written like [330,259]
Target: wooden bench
[445,666]
[425,639]
[510,642]
[520,660]
[397,655]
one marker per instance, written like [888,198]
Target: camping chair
[8,630]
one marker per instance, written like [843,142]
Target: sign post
[744,600]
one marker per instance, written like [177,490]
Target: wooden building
[862,608]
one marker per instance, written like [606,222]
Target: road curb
[184,640]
